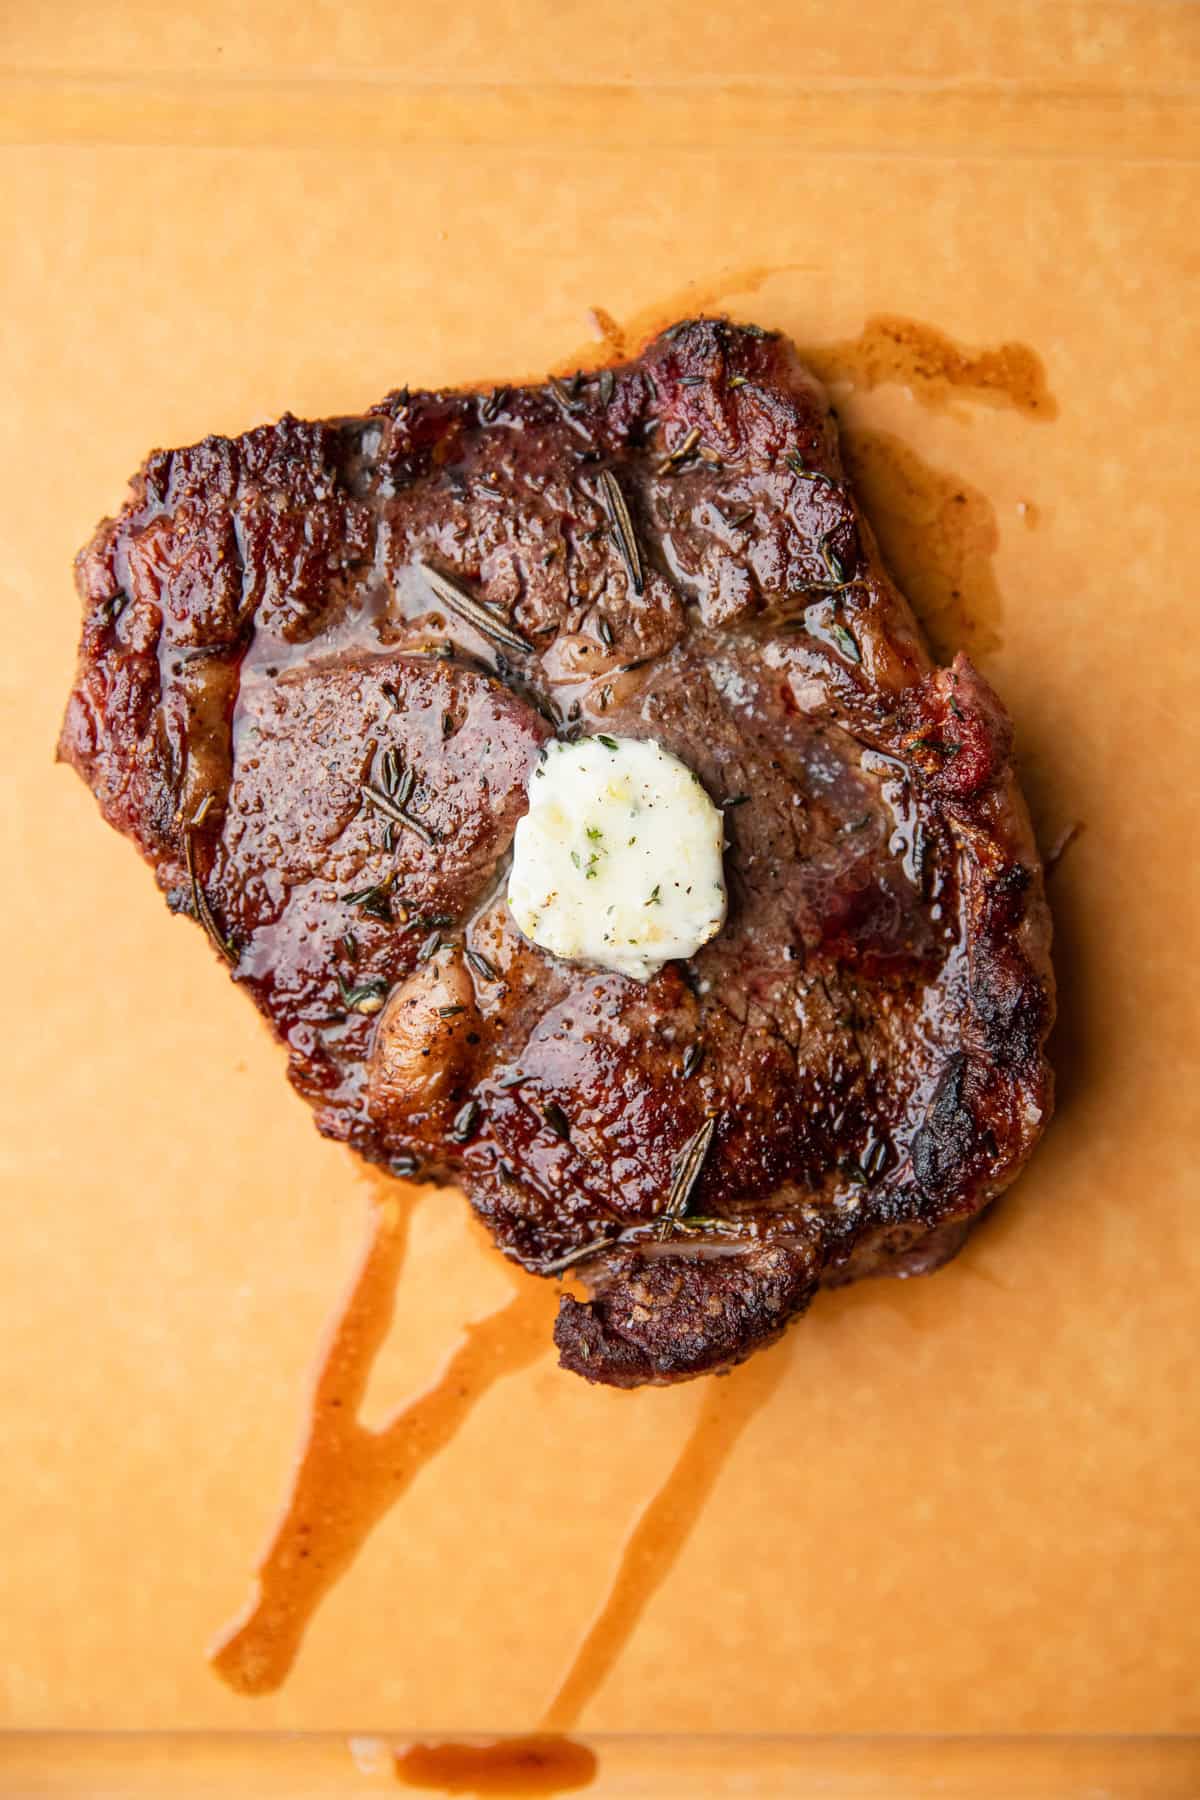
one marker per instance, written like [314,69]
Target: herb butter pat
[618,860]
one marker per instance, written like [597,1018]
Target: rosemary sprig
[687,1174]
[391,809]
[459,601]
[200,906]
[622,529]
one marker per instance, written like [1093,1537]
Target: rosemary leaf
[559,1263]
[396,813]
[687,1173]
[458,600]
[557,1120]
[202,909]
[465,1121]
[846,642]
[481,965]
[622,529]
[680,453]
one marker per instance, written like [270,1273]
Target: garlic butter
[618,860]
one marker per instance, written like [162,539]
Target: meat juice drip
[938,535]
[889,348]
[664,1526]
[542,1764]
[348,1477]
[924,359]
[550,1763]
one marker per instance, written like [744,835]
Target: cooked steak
[319,666]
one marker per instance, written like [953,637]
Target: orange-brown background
[972,1503]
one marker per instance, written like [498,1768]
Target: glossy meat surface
[318,666]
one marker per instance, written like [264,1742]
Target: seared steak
[319,664]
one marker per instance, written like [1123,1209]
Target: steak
[319,665]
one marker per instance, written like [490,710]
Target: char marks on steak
[275,699]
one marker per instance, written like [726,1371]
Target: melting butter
[618,860]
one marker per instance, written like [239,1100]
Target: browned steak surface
[324,755]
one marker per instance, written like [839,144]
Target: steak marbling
[324,753]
